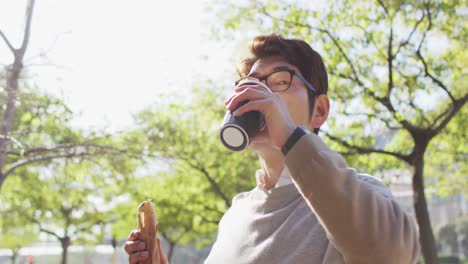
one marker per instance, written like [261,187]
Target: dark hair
[296,52]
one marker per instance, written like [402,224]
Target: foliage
[448,235]
[71,199]
[453,233]
[15,232]
[42,132]
[447,154]
[449,260]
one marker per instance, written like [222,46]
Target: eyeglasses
[280,80]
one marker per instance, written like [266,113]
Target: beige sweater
[348,217]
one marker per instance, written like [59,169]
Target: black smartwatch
[293,138]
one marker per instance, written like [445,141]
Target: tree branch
[418,110]
[8,43]
[213,210]
[372,40]
[80,147]
[385,121]
[47,50]
[410,36]
[384,7]
[457,105]
[421,58]
[171,240]
[385,101]
[86,227]
[429,26]
[363,150]
[213,183]
[75,146]
[208,220]
[390,63]
[75,152]
[14,140]
[166,236]
[346,77]
[432,77]
[27,30]
[50,233]
[21,163]
[45,230]
[328,33]
[444,113]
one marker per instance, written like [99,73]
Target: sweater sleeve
[359,214]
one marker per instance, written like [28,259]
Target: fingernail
[145,253]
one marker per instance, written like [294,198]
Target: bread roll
[148,226]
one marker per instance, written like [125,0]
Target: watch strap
[297,134]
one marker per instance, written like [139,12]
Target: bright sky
[109,58]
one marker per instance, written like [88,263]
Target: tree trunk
[114,253]
[13,75]
[426,237]
[65,244]
[171,250]
[13,256]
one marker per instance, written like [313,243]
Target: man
[346,217]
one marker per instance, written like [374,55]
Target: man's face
[295,98]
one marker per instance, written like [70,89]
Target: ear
[321,110]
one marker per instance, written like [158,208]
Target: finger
[229,100]
[247,94]
[256,105]
[139,256]
[252,86]
[134,235]
[240,89]
[134,246]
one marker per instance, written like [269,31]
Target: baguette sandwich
[148,227]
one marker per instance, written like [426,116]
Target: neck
[272,162]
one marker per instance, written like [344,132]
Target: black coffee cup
[236,131]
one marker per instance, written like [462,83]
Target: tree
[15,233]
[70,199]
[33,131]
[396,70]
[447,235]
[454,235]
[196,176]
